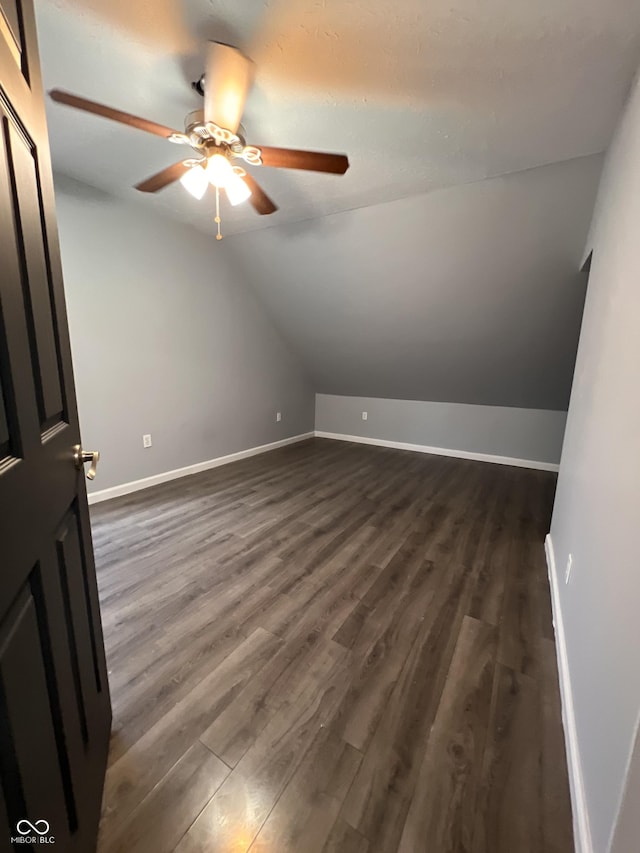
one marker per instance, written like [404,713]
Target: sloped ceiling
[420,95]
[469,294]
[420,274]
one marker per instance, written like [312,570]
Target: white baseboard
[156,479]
[442,451]
[581,828]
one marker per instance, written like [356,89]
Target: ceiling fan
[217,137]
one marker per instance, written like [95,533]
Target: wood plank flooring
[333,648]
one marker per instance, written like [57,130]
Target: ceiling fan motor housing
[205,134]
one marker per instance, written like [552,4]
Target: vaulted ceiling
[420,95]
[469,294]
[421,273]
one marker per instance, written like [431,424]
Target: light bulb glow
[195,181]
[219,170]
[236,189]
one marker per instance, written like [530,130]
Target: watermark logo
[24,827]
[33,833]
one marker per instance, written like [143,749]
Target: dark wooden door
[55,713]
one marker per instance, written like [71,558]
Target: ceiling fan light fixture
[195,181]
[236,189]
[217,137]
[219,170]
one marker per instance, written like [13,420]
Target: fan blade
[312,161]
[227,81]
[69,100]
[260,201]
[164,178]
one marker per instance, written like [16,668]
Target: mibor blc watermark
[33,833]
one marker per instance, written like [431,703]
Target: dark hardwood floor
[333,648]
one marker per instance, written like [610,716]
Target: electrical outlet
[567,571]
[278,417]
[146,440]
[365,415]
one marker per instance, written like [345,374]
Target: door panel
[80,628]
[30,243]
[10,10]
[54,696]
[10,28]
[30,766]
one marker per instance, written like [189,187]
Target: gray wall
[530,434]
[597,508]
[167,340]
[467,295]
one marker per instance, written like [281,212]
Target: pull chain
[217,219]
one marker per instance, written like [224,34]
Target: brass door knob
[81,456]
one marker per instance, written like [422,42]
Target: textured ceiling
[420,94]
